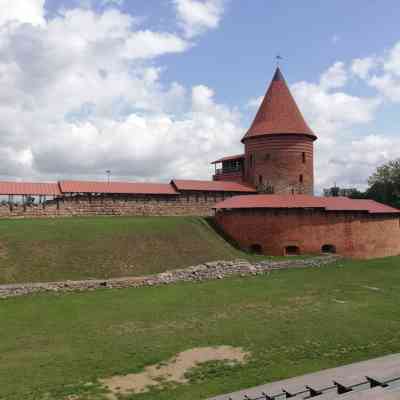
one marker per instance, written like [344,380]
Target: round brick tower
[279,146]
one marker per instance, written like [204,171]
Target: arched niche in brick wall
[328,248]
[292,250]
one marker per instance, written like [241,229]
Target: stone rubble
[198,273]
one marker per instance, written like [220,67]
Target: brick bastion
[285,225]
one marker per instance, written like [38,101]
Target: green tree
[384,184]
[357,194]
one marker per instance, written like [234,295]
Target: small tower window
[301,178]
[304,157]
[251,160]
[267,157]
[260,179]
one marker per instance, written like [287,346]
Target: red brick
[357,235]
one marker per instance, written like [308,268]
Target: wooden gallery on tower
[285,218]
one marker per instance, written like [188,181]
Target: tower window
[301,178]
[260,179]
[251,160]
[304,157]
[267,157]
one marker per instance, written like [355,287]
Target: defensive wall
[199,204]
[79,198]
[278,231]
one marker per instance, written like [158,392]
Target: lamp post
[108,172]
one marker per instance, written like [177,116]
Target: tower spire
[278,113]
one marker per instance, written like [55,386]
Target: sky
[157,89]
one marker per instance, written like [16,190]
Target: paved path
[353,376]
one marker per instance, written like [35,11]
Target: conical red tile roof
[278,113]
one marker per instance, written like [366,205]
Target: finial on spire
[278,58]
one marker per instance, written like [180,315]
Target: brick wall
[279,161]
[355,235]
[198,204]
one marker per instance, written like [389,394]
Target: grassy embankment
[292,321]
[42,250]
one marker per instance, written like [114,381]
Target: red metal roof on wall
[278,113]
[211,186]
[229,158]
[304,201]
[117,187]
[29,188]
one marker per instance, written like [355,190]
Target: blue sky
[156,89]
[311,36]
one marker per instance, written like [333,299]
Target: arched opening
[292,251]
[256,249]
[328,248]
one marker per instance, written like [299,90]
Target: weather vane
[278,58]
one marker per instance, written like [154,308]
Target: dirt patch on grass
[173,370]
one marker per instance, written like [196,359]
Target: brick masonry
[196,204]
[285,162]
[357,235]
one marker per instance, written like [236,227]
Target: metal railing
[392,383]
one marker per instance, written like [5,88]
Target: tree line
[383,186]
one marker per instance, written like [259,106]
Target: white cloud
[333,114]
[22,11]
[334,77]
[346,157]
[329,112]
[255,102]
[388,85]
[148,44]
[144,147]
[362,67]
[198,16]
[83,93]
[354,161]
[386,77]
[392,63]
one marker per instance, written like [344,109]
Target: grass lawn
[41,250]
[293,322]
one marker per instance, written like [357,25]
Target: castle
[263,199]
[289,220]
